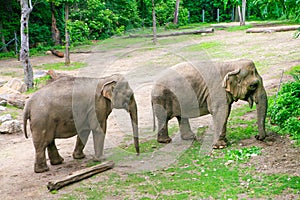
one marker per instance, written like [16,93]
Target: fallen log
[272,29]
[57,53]
[80,175]
[207,30]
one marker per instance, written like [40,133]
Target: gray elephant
[191,90]
[72,105]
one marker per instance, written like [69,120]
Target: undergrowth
[284,108]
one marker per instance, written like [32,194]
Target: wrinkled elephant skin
[72,105]
[187,91]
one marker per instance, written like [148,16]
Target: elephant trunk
[134,121]
[261,108]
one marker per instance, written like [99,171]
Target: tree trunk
[67,53]
[176,12]
[2,37]
[24,51]
[154,23]
[54,29]
[240,16]
[243,12]
[236,16]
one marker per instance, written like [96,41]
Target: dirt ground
[277,51]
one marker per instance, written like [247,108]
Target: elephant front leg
[220,122]
[185,129]
[55,158]
[98,138]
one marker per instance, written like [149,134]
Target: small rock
[3,103]
[17,85]
[10,127]
[4,118]
[2,108]
[40,74]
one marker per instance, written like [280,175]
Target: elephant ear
[230,82]
[107,89]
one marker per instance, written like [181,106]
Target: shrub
[284,109]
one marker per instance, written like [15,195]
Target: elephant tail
[153,114]
[26,116]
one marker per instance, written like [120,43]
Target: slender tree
[55,31]
[154,23]
[4,49]
[26,8]
[243,17]
[176,12]
[67,53]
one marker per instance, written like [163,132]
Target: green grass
[204,46]
[238,28]
[294,70]
[13,74]
[61,66]
[38,83]
[12,110]
[193,177]
[224,174]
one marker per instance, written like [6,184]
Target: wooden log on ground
[57,53]
[207,30]
[272,29]
[80,175]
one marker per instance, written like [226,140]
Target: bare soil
[277,51]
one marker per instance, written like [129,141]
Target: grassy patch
[11,73]
[239,128]
[193,177]
[61,66]
[12,110]
[238,28]
[220,175]
[294,70]
[38,83]
[204,46]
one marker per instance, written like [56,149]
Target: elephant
[190,90]
[71,105]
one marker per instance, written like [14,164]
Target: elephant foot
[221,144]
[164,139]
[56,161]
[100,159]
[39,168]
[188,136]
[78,155]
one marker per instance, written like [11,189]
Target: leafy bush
[242,154]
[284,110]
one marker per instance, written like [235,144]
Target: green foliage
[284,109]
[79,32]
[242,154]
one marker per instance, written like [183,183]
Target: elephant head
[244,83]
[121,96]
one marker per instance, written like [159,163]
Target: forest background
[99,19]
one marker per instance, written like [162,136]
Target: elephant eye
[253,86]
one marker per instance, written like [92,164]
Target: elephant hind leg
[163,135]
[55,158]
[185,129]
[40,164]
[78,151]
